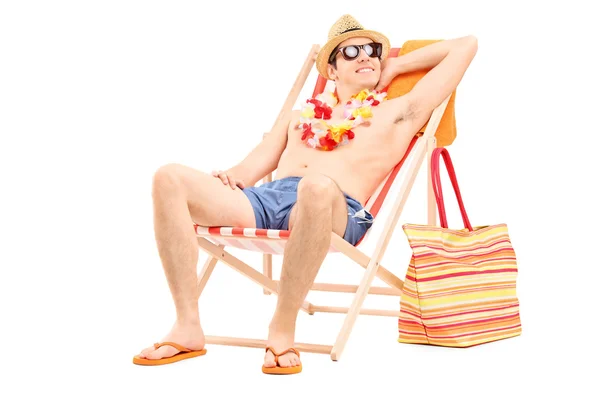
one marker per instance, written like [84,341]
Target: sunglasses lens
[378,48]
[350,52]
[369,49]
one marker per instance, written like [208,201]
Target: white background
[96,95]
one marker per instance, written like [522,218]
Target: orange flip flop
[182,355]
[278,370]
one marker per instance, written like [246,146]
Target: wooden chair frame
[423,148]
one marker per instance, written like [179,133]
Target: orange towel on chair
[402,84]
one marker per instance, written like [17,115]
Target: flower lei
[318,134]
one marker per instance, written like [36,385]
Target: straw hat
[344,28]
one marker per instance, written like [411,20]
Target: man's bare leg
[321,209]
[182,196]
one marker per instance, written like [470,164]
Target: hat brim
[325,52]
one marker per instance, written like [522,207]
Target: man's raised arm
[264,158]
[447,62]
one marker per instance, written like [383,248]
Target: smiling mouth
[364,70]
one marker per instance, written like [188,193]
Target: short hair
[334,60]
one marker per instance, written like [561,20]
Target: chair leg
[354,310]
[267,258]
[267,269]
[204,275]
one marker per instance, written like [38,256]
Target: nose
[362,56]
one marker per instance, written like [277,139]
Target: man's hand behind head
[389,71]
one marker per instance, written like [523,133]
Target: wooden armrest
[269,177]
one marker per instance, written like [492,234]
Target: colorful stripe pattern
[266,241]
[460,288]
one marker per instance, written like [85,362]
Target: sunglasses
[352,51]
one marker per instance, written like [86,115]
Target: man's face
[361,72]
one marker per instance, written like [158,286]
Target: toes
[294,361]
[269,360]
[144,353]
[155,355]
[162,352]
[286,361]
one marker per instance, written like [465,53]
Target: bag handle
[437,186]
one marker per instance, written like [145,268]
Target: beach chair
[214,240]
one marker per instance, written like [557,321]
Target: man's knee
[317,188]
[166,178]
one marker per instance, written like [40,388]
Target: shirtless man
[314,193]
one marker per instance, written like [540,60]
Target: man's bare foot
[281,341]
[189,335]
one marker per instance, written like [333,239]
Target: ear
[331,72]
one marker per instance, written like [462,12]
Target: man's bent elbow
[470,42]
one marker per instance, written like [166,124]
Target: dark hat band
[351,29]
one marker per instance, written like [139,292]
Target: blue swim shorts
[273,201]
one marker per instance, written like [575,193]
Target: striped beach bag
[460,287]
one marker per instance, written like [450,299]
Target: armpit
[405,110]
